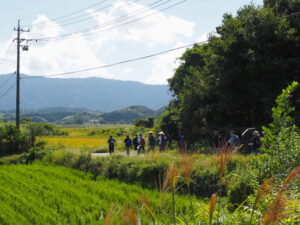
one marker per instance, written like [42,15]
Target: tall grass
[212,204]
[277,209]
[261,192]
[186,165]
[170,184]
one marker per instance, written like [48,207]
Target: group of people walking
[234,141]
[138,143]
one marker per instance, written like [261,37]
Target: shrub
[13,141]
[282,140]
[240,190]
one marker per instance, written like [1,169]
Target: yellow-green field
[74,142]
[91,137]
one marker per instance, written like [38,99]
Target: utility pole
[19,40]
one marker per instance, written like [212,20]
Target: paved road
[132,153]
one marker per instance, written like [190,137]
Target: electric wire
[117,63]
[108,23]
[144,57]
[8,38]
[75,19]
[7,61]
[6,81]
[8,68]
[6,50]
[8,90]
[118,19]
[82,32]
[70,14]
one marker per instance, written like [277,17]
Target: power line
[7,61]
[148,56]
[112,22]
[117,63]
[6,92]
[70,14]
[6,50]
[81,32]
[5,82]
[74,21]
[7,67]
[97,26]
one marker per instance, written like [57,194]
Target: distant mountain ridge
[97,94]
[130,114]
[80,116]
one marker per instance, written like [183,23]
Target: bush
[148,123]
[13,141]
[150,171]
[282,139]
[240,190]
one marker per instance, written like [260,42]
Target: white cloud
[203,37]
[44,27]
[127,70]
[156,32]
[163,67]
[158,28]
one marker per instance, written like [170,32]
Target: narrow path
[132,153]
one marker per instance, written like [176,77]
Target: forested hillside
[84,116]
[231,82]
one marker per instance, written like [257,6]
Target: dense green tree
[168,123]
[149,122]
[232,80]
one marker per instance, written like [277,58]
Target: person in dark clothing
[141,143]
[256,142]
[234,140]
[151,142]
[111,144]
[135,142]
[128,144]
[162,141]
[182,144]
[217,142]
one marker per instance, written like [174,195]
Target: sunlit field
[92,137]
[75,142]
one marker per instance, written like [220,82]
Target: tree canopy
[232,80]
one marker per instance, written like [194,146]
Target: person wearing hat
[151,142]
[256,142]
[162,141]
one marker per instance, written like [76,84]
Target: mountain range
[65,116]
[97,94]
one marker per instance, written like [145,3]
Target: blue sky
[185,23]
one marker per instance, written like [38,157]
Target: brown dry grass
[129,216]
[277,209]
[213,201]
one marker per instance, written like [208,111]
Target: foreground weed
[146,204]
[213,201]
[170,184]
[111,214]
[187,164]
[278,208]
[261,192]
[129,215]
